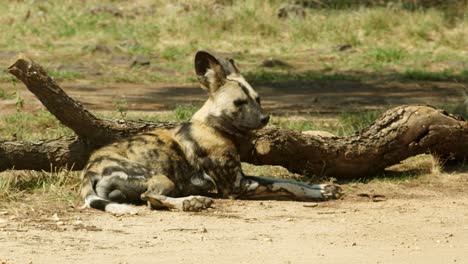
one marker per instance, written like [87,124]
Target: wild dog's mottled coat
[196,158]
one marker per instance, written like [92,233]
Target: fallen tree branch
[71,113]
[45,155]
[399,133]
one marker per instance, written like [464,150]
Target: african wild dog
[177,168]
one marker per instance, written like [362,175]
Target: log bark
[70,152]
[399,133]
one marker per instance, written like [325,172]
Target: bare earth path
[278,98]
[410,225]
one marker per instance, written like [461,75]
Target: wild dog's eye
[258,100]
[239,102]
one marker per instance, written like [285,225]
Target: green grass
[406,4]
[298,125]
[448,75]
[43,125]
[60,185]
[184,113]
[175,52]
[269,76]
[381,36]
[32,126]
[4,95]
[387,55]
[345,124]
[351,123]
[66,75]
[459,108]
[6,77]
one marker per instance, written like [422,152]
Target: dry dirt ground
[373,223]
[282,97]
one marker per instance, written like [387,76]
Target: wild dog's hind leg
[160,186]
[193,203]
[254,187]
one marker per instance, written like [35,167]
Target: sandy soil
[401,224]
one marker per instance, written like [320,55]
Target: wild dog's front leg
[193,203]
[253,187]
[159,186]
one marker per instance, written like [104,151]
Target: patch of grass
[413,170]
[458,108]
[265,76]
[350,123]
[6,95]
[420,169]
[387,55]
[167,116]
[139,49]
[6,77]
[32,126]
[157,77]
[121,106]
[406,4]
[437,76]
[303,123]
[184,112]
[298,125]
[175,52]
[249,29]
[346,123]
[66,75]
[181,113]
[60,184]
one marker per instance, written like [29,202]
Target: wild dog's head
[233,105]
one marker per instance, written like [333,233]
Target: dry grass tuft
[60,184]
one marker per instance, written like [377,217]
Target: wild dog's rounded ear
[210,72]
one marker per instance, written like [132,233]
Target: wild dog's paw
[331,191]
[196,203]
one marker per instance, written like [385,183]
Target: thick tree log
[400,133]
[72,153]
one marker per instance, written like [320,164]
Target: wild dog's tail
[93,200]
